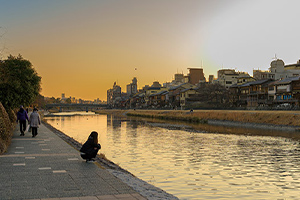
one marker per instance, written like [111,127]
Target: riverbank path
[46,167]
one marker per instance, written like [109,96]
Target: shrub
[12,116]
[5,129]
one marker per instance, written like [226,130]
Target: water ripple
[196,165]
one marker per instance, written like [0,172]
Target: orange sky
[81,48]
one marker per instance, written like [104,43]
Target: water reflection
[193,161]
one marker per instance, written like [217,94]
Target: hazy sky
[81,48]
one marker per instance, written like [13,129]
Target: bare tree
[215,95]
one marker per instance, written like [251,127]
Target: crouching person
[90,148]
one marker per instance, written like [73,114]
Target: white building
[228,77]
[278,70]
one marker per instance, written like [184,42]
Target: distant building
[260,75]
[174,93]
[73,100]
[113,94]
[154,89]
[179,78]
[167,84]
[132,87]
[196,75]
[63,96]
[288,91]
[156,84]
[278,70]
[211,78]
[244,79]
[97,101]
[229,77]
[295,66]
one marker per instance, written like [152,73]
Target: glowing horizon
[81,48]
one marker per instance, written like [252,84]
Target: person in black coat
[22,116]
[90,148]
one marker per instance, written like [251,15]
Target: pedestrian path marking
[19,164]
[19,147]
[23,139]
[59,171]
[30,157]
[35,155]
[73,159]
[44,168]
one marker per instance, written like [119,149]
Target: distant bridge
[75,106]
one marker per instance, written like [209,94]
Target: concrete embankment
[289,120]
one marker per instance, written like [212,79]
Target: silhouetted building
[132,87]
[211,78]
[156,84]
[179,78]
[113,94]
[196,75]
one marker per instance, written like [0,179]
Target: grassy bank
[283,118]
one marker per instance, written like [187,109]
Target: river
[192,162]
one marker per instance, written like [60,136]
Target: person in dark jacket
[90,148]
[22,116]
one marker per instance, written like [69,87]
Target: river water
[195,162]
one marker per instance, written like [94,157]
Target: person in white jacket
[34,121]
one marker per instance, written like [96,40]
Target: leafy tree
[50,100]
[68,100]
[39,101]
[19,82]
[57,100]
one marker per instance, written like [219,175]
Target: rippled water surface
[191,164]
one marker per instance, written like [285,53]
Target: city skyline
[82,47]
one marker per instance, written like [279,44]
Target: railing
[74,105]
[258,92]
[285,100]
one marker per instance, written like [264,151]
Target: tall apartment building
[113,93]
[211,78]
[179,78]
[196,75]
[132,87]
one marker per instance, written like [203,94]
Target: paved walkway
[46,167]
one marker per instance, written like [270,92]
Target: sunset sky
[81,47]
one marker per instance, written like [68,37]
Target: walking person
[35,121]
[90,148]
[22,116]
